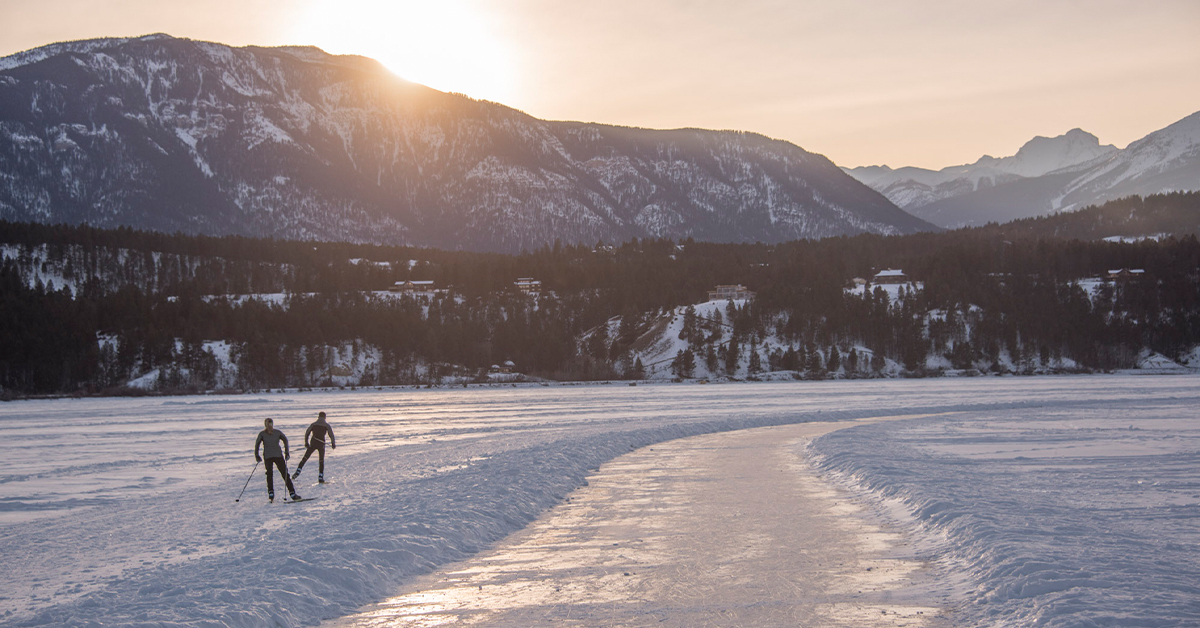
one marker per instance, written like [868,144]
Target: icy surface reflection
[724,529]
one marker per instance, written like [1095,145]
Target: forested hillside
[1177,213]
[89,310]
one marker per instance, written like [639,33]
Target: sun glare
[449,45]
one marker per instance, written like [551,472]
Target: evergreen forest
[86,310]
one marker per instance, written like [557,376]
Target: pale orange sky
[925,83]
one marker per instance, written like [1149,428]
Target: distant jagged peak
[1035,158]
[1041,155]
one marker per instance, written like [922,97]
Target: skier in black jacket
[314,440]
[269,440]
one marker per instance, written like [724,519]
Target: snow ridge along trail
[120,512]
[1065,517]
[712,530]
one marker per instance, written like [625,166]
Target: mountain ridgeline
[172,135]
[1047,176]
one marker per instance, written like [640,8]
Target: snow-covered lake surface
[122,511]
[1085,514]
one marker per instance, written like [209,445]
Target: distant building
[528,285]
[890,275]
[1126,274]
[412,286]
[503,369]
[730,291]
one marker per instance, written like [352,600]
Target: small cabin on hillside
[503,369]
[730,291]
[1126,274]
[412,286]
[890,276]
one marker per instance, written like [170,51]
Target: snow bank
[1060,517]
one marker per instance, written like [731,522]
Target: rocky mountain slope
[171,134]
[1046,176]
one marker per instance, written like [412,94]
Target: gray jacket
[270,444]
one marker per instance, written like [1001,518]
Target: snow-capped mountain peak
[1041,155]
[1167,160]
[912,188]
[1181,139]
[1046,175]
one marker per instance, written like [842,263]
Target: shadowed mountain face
[170,134]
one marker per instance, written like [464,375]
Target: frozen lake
[122,511]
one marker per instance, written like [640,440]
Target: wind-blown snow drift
[1061,517]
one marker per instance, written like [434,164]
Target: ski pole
[239,497]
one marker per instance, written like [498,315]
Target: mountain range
[1046,176]
[171,134]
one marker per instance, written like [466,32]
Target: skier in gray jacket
[269,440]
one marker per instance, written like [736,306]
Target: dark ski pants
[279,464]
[318,447]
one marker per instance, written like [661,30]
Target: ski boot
[271,496]
[320,478]
[296,497]
[296,474]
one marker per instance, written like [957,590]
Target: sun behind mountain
[447,45]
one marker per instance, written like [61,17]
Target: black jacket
[314,436]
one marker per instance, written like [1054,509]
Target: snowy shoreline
[418,480]
[761,378]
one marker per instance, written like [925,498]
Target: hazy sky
[924,82]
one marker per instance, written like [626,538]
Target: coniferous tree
[815,366]
[638,371]
[733,356]
[755,366]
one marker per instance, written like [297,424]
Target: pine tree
[639,370]
[814,367]
[684,364]
[733,357]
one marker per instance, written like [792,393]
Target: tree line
[85,309]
